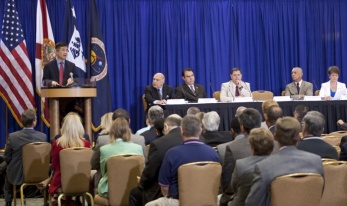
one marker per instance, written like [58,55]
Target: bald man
[298,86]
[158,92]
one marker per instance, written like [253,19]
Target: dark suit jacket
[214,138]
[318,147]
[305,89]
[149,178]
[242,177]
[151,94]
[288,160]
[343,154]
[184,92]
[149,135]
[13,152]
[51,72]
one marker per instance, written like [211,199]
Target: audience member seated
[312,128]
[333,89]
[158,92]
[288,160]
[142,130]
[192,150]
[249,119]
[235,132]
[13,152]
[71,136]
[148,188]
[154,113]
[262,143]
[105,124]
[298,86]
[193,110]
[235,87]
[189,90]
[105,139]
[343,154]
[239,110]
[159,127]
[272,114]
[119,144]
[264,107]
[300,112]
[211,135]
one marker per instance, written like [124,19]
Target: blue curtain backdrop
[265,38]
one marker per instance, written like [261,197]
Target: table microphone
[212,88]
[315,85]
[248,89]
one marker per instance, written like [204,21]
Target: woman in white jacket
[333,90]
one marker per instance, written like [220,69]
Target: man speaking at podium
[59,71]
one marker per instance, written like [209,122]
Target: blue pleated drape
[265,38]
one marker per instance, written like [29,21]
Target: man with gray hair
[298,86]
[212,136]
[312,128]
[179,155]
[193,110]
[148,188]
[154,113]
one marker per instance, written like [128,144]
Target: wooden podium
[54,94]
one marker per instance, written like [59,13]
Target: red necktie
[61,73]
[237,93]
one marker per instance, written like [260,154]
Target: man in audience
[189,90]
[272,114]
[288,160]
[158,92]
[148,188]
[235,87]
[312,128]
[142,130]
[249,119]
[154,113]
[235,132]
[239,110]
[262,143]
[298,86]
[212,136]
[105,139]
[264,107]
[193,110]
[300,112]
[13,152]
[192,150]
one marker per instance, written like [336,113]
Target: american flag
[16,86]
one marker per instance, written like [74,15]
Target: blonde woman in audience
[120,135]
[333,90]
[71,136]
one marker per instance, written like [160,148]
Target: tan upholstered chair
[332,140]
[75,170]
[198,183]
[283,93]
[36,159]
[122,172]
[326,160]
[316,93]
[339,134]
[262,95]
[144,103]
[216,95]
[335,186]
[297,189]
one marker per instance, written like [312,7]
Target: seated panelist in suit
[235,87]
[189,90]
[59,70]
[298,86]
[158,92]
[333,90]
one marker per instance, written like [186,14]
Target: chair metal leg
[22,194]
[91,198]
[59,199]
[14,194]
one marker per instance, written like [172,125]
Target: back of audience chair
[198,183]
[262,95]
[297,189]
[335,187]
[122,172]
